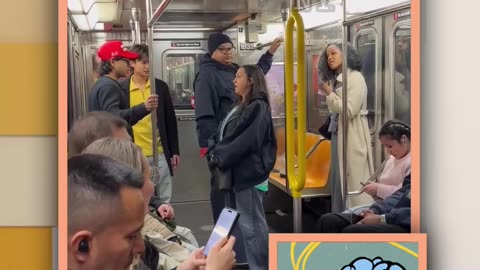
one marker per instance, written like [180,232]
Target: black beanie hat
[217,39]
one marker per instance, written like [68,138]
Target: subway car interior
[177,32]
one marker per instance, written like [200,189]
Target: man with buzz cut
[105,213]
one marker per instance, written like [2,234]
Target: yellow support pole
[296,180]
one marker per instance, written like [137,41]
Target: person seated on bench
[98,125]
[106,208]
[391,215]
[395,137]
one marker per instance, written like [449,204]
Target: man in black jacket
[106,94]
[135,89]
[214,97]
[391,215]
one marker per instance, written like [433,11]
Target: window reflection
[402,75]
[366,49]
[180,74]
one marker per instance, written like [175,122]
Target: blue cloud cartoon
[363,263]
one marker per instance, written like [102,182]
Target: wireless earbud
[83,246]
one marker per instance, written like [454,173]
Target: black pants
[218,202]
[341,223]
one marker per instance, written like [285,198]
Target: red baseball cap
[113,49]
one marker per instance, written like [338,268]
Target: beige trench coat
[359,151]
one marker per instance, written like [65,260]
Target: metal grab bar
[260,46]
[345,108]
[151,21]
[134,36]
[158,12]
[312,149]
[295,179]
[297,182]
[136,24]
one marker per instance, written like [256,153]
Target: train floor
[197,216]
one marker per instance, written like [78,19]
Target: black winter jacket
[248,146]
[215,94]
[396,207]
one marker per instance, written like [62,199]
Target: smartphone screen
[355,218]
[225,223]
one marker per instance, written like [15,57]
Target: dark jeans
[341,223]
[218,202]
[253,224]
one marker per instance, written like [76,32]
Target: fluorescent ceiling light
[313,17]
[274,30]
[99,26]
[81,21]
[362,6]
[75,6]
[84,6]
[102,12]
[318,15]
[99,11]
[184,29]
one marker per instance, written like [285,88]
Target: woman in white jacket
[359,152]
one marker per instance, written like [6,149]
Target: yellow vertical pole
[295,179]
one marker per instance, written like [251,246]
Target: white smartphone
[223,228]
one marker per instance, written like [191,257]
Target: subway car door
[397,63]
[191,181]
[366,37]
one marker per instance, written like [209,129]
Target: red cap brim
[128,55]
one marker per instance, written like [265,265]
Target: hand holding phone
[223,228]
[221,255]
[356,218]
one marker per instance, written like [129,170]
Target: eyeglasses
[226,50]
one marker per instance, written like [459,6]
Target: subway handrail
[296,180]
[158,12]
[152,19]
[345,109]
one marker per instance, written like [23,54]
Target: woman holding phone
[359,152]
[246,148]
[395,137]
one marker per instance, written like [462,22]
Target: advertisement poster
[276,85]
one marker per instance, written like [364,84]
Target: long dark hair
[259,85]
[354,61]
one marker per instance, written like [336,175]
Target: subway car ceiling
[210,15]
[184,26]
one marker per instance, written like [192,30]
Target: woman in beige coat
[359,152]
